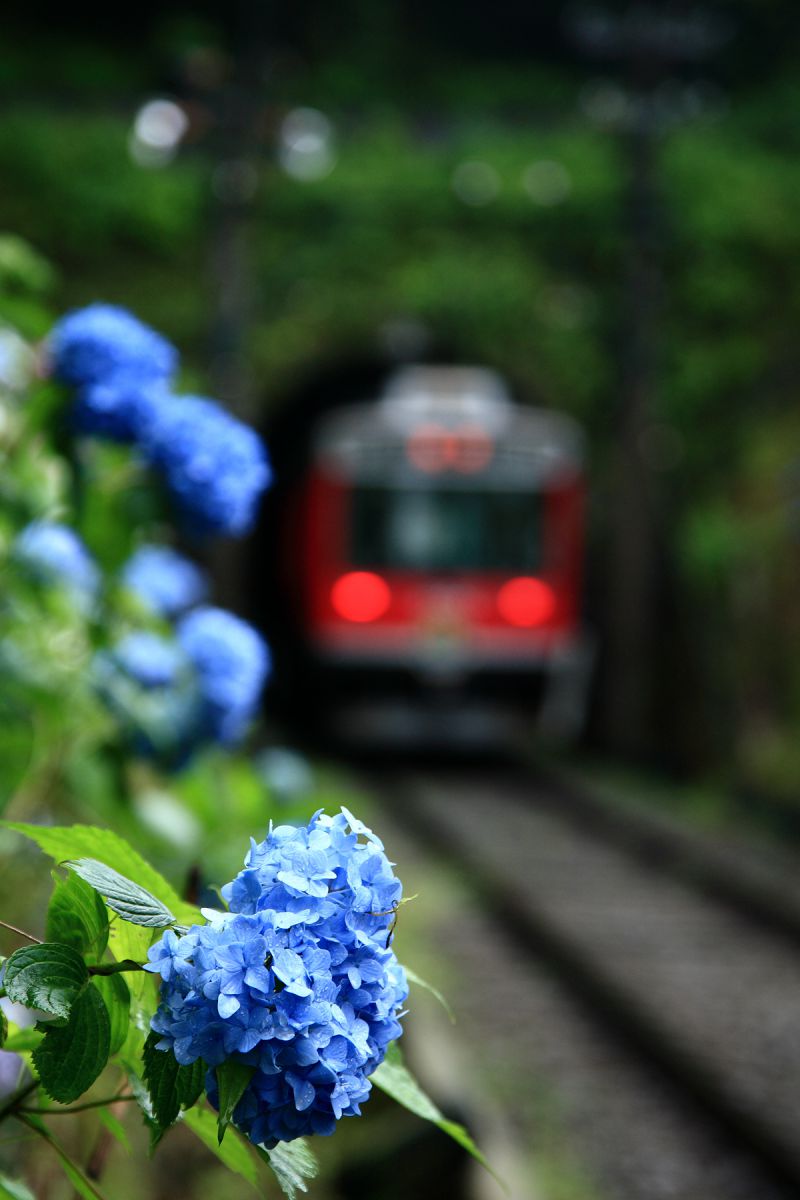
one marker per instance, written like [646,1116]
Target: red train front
[442,540]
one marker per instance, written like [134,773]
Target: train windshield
[429,529]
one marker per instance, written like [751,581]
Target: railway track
[684,957]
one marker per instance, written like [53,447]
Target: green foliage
[232,1078]
[71,1056]
[234,1152]
[61,749]
[83,1185]
[129,901]
[102,1021]
[414,978]
[117,999]
[394,1078]
[107,847]
[49,977]
[170,1085]
[12,1189]
[77,917]
[294,1165]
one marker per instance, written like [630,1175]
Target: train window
[440,529]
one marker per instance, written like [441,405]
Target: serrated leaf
[130,901]
[48,976]
[394,1078]
[191,1081]
[14,1189]
[170,1086]
[232,1078]
[142,1097]
[70,1057]
[115,1128]
[293,1164]
[117,999]
[88,841]
[234,1151]
[161,1076]
[413,977]
[77,917]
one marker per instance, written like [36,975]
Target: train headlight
[360,596]
[526,602]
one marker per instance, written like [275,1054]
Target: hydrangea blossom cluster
[103,342]
[232,663]
[215,467]
[119,366]
[166,582]
[297,981]
[121,408]
[149,659]
[172,694]
[54,554]
[147,683]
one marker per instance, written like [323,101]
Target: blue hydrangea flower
[298,981]
[120,407]
[94,344]
[148,684]
[54,554]
[232,664]
[215,467]
[164,580]
[149,659]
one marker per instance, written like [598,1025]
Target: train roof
[504,444]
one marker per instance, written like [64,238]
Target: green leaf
[83,1186]
[169,1085]
[131,902]
[13,1189]
[117,999]
[71,1056]
[77,917]
[413,977]
[48,976]
[161,1076]
[3,1028]
[23,1039]
[87,841]
[234,1151]
[232,1078]
[133,941]
[394,1078]
[114,1127]
[293,1164]
[191,1081]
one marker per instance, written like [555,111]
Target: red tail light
[526,602]
[360,596]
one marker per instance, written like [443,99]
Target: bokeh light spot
[360,596]
[526,602]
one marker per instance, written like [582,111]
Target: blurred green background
[601,207]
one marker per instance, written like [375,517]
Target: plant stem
[65,1112]
[22,933]
[127,964]
[10,1106]
[43,1132]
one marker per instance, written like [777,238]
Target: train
[431,563]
